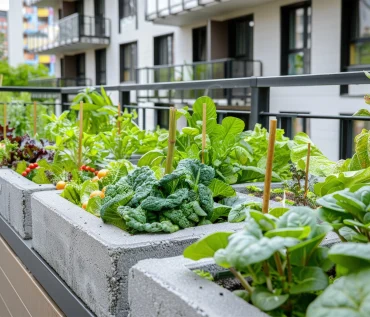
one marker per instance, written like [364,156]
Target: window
[101,67]
[200,44]
[163,116]
[296,39]
[128,62]
[80,67]
[241,37]
[163,50]
[62,67]
[126,8]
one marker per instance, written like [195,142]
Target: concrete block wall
[15,200]
[94,258]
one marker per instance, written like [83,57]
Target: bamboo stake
[34,118]
[80,135]
[307,169]
[270,158]
[5,122]
[171,140]
[204,130]
[118,118]
[1,79]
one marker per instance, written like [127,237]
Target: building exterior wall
[15,28]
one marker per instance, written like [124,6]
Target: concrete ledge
[15,200]
[242,188]
[93,258]
[168,287]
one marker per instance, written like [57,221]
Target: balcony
[42,3]
[60,82]
[215,69]
[72,34]
[184,12]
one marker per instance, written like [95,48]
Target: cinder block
[15,200]
[168,287]
[94,258]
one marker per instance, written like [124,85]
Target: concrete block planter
[168,287]
[242,188]
[93,258]
[15,200]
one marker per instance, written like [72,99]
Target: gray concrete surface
[242,188]
[168,287]
[15,200]
[94,258]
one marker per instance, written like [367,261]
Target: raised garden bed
[15,200]
[169,287]
[94,258]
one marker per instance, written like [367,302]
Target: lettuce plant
[277,260]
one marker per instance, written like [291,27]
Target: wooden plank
[33,297]
[4,310]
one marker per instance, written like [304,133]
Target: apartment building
[141,41]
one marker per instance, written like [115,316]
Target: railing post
[64,101]
[260,103]
[346,139]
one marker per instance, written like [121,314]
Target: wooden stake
[171,140]
[1,79]
[118,118]
[270,159]
[307,169]
[5,122]
[80,135]
[34,118]
[204,130]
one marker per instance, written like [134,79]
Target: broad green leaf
[72,193]
[21,167]
[298,233]
[298,217]
[308,279]
[265,221]
[220,189]
[320,258]
[40,176]
[354,256]
[278,211]
[349,296]
[190,131]
[219,211]
[242,294]
[86,107]
[207,246]
[152,158]
[232,127]
[267,301]
[93,205]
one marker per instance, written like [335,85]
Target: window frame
[121,11]
[100,72]
[156,46]
[285,37]
[132,69]
[198,35]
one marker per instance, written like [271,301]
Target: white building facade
[109,42]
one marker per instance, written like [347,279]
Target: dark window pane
[128,62]
[163,50]
[200,44]
[101,67]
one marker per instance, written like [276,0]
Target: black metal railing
[215,69]
[60,82]
[72,29]
[258,112]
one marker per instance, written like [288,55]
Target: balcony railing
[60,82]
[216,69]
[72,33]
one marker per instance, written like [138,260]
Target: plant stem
[171,140]
[279,266]
[204,130]
[307,170]
[289,267]
[266,269]
[270,159]
[242,280]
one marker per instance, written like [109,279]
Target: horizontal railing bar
[30,89]
[348,78]
[313,116]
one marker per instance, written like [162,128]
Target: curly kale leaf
[178,217]
[189,173]
[142,181]
[205,198]
[136,219]
[174,200]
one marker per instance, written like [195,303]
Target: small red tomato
[24,174]
[28,170]
[92,170]
[31,166]
[35,165]
[83,167]
[87,168]
[96,173]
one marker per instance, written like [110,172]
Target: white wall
[15,32]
